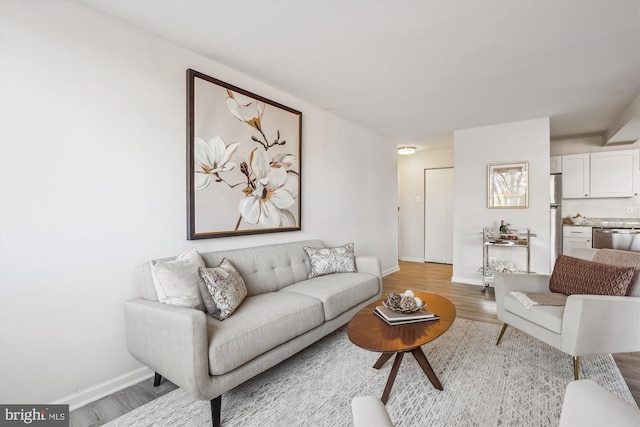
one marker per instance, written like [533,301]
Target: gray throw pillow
[222,289]
[331,260]
[176,280]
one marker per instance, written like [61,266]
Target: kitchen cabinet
[612,173]
[575,237]
[600,175]
[575,176]
[556,164]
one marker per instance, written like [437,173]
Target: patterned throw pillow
[176,280]
[223,289]
[331,260]
[577,276]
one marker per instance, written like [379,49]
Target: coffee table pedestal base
[420,357]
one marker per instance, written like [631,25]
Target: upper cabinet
[612,173]
[599,175]
[556,164]
[575,176]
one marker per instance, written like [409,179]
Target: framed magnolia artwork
[507,185]
[243,161]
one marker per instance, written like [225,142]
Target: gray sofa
[283,313]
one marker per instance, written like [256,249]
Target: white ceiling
[415,71]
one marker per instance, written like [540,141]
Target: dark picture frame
[243,161]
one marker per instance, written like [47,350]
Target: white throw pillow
[176,281]
[331,260]
[225,287]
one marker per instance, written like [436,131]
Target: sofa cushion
[176,281]
[262,322]
[267,268]
[331,260]
[223,288]
[577,276]
[547,316]
[338,292]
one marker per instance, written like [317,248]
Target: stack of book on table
[395,318]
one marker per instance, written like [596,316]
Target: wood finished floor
[470,303]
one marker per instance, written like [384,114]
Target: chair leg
[216,411]
[156,379]
[504,328]
[576,367]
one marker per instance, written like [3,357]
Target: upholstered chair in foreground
[582,324]
[588,404]
[369,411]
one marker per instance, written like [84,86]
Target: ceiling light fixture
[406,150]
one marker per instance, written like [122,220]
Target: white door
[438,215]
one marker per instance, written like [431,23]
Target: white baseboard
[106,388]
[391,270]
[409,259]
[466,281]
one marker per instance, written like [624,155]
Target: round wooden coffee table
[368,331]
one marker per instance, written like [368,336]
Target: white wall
[474,149]
[411,177]
[595,208]
[92,185]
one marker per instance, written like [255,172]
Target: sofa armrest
[371,265]
[594,324]
[171,340]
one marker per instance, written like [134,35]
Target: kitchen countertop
[606,222]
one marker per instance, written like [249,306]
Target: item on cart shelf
[503,266]
[504,228]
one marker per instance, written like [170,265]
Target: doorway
[438,215]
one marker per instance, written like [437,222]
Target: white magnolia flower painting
[244,167]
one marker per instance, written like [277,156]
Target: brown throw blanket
[620,259]
[529,299]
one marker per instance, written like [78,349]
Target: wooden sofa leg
[576,367]
[216,410]
[156,379]
[504,328]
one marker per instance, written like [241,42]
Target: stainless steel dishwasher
[624,239]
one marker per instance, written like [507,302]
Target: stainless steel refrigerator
[555,238]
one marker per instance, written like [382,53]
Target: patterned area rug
[519,383]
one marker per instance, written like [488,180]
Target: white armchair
[586,324]
[369,411]
[588,404]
